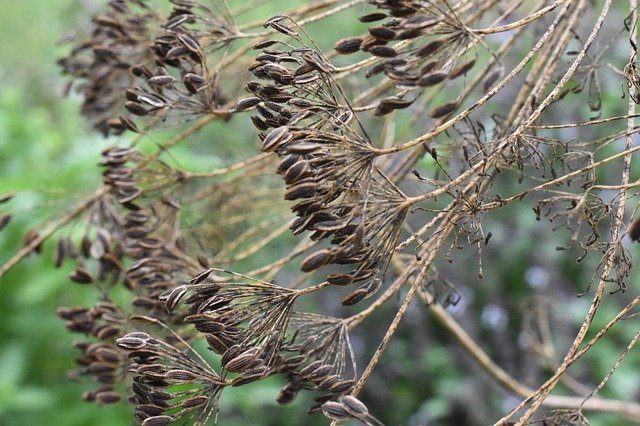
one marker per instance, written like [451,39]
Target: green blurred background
[48,153]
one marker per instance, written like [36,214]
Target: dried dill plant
[383,147]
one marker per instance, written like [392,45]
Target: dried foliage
[381,146]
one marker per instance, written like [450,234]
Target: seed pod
[158,421]
[135,108]
[302,190]
[5,197]
[444,109]
[161,80]
[201,276]
[461,69]
[276,138]
[430,48]
[382,33]
[132,341]
[4,220]
[348,45]
[181,376]
[431,78]
[372,17]
[107,397]
[633,231]
[309,369]
[81,276]
[286,395]
[394,103]
[491,78]
[241,362]
[246,103]
[194,401]
[31,236]
[326,384]
[383,51]
[263,44]
[339,279]
[354,297]
[342,386]
[316,260]
[354,406]
[175,296]
[334,411]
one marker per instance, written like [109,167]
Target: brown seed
[316,260]
[633,231]
[382,33]
[431,78]
[342,386]
[335,411]
[5,197]
[394,103]
[383,51]
[131,342]
[246,103]
[354,297]
[4,220]
[158,421]
[81,276]
[302,190]
[444,109]
[241,362]
[194,401]
[461,69]
[430,48]
[175,296]
[491,78]
[348,45]
[161,80]
[372,17]
[182,376]
[276,138]
[135,108]
[339,279]
[107,397]
[354,406]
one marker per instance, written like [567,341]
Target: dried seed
[4,220]
[372,17]
[382,33]
[444,109]
[201,276]
[286,395]
[431,78]
[131,341]
[276,138]
[5,197]
[107,397]
[491,78]
[354,406]
[383,51]
[81,276]
[216,344]
[334,411]
[461,69]
[182,376]
[135,108]
[394,103]
[430,48]
[348,45]
[194,401]
[161,80]
[354,297]
[175,296]
[246,103]
[302,190]
[316,260]
[158,421]
[339,279]
[241,362]
[633,231]
[263,44]
[342,386]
